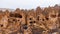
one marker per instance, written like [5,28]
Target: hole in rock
[25,26]
[53,16]
[47,18]
[1,25]
[18,15]
[30,18]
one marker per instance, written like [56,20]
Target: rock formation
[32,21]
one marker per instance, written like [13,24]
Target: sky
[27,4]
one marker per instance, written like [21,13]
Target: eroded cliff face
[32,21]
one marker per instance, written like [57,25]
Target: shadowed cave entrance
[16,15]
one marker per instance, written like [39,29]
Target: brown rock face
[32,21]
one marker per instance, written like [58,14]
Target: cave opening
[47,18]
[16,15]
[30,18]
[1,25]
[53,16]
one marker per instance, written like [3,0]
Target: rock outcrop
[32,21]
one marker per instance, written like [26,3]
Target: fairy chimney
[4,19]
[16,20]
[30,21]
[53,21]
